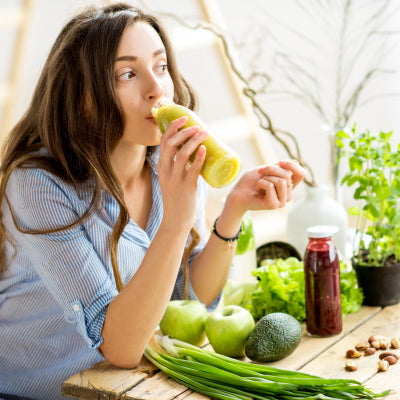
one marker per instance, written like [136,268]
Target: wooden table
[321,356]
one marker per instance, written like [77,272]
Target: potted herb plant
[374,172]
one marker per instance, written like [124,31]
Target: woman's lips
[151,119]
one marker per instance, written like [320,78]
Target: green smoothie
[222,164]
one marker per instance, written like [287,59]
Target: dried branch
[362,45]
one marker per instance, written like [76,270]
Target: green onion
[226,378]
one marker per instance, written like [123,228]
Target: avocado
[274,337]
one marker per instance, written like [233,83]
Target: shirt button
[76,307]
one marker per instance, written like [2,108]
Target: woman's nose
[154,88]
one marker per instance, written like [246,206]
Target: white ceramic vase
[317,207]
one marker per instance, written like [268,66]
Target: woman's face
[142,78]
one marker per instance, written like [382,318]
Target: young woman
[97,206]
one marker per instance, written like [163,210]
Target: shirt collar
[152,157]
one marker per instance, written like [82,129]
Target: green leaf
[354,211]
[280,288]
[386,136]
[342,134]
[355,164]
[372,211]
[358,194]
[339,143]
[396,186]
[381,189]
[246,241]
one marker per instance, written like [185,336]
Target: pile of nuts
[375,342]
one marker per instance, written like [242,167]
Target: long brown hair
[78,72]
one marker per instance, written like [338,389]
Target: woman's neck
[129,163]
[134,175]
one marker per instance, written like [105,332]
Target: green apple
[185,320]
[228,329]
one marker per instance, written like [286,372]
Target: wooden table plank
[330,364]
[189,395]
[106,381]
[389,379]
[159,387]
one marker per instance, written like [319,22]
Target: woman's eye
[162,68]
[126,76]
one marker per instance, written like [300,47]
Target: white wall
[285,26]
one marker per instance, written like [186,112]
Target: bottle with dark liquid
[322,283]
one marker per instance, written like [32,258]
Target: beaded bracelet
[229,240]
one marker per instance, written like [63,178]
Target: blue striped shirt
[55,288]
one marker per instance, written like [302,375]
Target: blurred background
[308,69]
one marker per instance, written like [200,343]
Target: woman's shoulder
[39,185]
[40,199]
[26,179]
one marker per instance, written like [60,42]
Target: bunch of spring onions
[226,378]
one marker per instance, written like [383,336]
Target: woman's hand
[267,187]
[178,178]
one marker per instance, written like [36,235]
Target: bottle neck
[319,244]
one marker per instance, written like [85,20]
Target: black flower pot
[274,250]
[380,285]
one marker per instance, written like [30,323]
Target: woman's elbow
[122,359]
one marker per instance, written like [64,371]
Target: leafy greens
[280,288]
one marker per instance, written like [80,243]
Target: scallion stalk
[225,378]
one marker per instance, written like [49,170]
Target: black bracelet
[231,239]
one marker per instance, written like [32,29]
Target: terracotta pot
[380,285]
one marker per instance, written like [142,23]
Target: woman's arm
[268,188]
[134,314]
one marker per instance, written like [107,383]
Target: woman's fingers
[174,126]
[269,198]
[276,170]
[189,147]
[179,146]
[298,172]
[181,143]
[198,162]
[277,190]
[168,151]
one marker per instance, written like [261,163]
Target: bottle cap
[321,231]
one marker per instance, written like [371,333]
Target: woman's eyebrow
[134,58]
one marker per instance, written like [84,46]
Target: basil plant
[374,172]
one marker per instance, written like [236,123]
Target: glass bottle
[221,165]
[322,283]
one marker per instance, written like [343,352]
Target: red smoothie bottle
[322,283]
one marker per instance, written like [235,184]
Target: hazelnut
[352,353]
[384,344]
[391,360]
[395,343]
[387,354]
[350,365]
[362,346]
[381,344]
[375,338]
[369,351]
[376,344]
[383,365]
